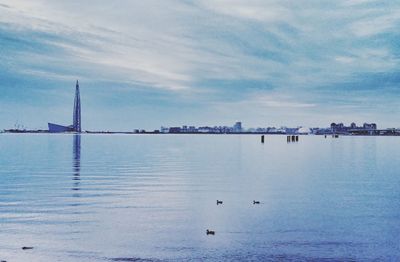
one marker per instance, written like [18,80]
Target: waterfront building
[237,127]
[353,128]
[76,121]
[192,129]
[55,128]
[338,128]
[371,126]
[175,129]
[77,110]
[164,129]
[304,130]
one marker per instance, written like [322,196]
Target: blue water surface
[152,197]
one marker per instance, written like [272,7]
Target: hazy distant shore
[182,133]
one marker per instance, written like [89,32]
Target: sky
[146,64]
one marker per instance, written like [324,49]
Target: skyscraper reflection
[76,162]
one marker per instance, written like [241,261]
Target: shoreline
[181,133]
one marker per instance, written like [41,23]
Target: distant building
[353,128]
[304,130]
[192,129]
[175,130]
[205,129]
[54,128]
[291,130]
[338,128]
[371,126]
[77,110]
[76,124]
[237,127]
[164,129]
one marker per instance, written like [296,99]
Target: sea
[149,197]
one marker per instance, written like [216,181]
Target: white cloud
[381,23]
[175,45]
[271,11]
[344,59]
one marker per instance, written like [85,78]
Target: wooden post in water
[288,139]
[262,139]
[297,138]
[293,138]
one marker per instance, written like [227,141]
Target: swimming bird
[210,232]
[256,202]
[219,202]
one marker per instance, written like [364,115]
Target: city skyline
[142,65]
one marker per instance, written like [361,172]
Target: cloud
[382,23]
[207,52]
[344,59]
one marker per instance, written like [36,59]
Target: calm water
[152,197]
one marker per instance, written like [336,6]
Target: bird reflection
[76,163]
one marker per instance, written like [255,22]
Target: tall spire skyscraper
[77,110]
[76,124]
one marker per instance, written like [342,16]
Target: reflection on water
[154,196]
[76,162]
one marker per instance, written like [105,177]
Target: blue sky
[143,64]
